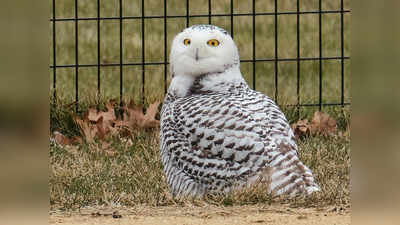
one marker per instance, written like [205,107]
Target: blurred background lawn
[154,48]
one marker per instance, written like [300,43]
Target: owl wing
[289,174]
[214,143]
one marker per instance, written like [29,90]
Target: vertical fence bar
[209,11]
[98,52]
[165,46]
[143,56]
[232,18]
[276,51]
[121,52]
[54,53]
[342,48]
[187,13]
[320,54]
[298,59]
[76,58]
[254,44]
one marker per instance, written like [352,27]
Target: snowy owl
[217,134]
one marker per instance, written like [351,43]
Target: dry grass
[80,177]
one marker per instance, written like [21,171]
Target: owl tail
[292,179]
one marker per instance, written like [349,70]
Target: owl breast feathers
[218,135]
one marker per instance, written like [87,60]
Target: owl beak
[197,54]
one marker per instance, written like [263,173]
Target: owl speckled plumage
[217,134]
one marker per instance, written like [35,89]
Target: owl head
[202,49]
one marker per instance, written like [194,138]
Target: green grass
[154,48]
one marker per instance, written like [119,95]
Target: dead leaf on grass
[107,119]
[323,123]
[61,139]
[88,130]
[75,140]
[134,117]
[108,116]
[98,126]
[301,128]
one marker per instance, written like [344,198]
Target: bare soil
[240,215]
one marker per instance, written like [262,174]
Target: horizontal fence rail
[276,14]
[200,15]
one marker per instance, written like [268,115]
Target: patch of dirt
[240,215]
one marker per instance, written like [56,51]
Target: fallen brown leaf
[108,120]
[134,117]
[108,116]
[93,115]
[323,123]
[61,139]
[101,131]
[75,140]
[88,130]
[301,128]
[97,126]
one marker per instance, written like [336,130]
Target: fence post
[76,58]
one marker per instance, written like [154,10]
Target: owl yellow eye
[186,41]
[213,42]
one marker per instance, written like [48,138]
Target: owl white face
[202,49]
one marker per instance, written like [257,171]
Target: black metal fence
[210,15]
